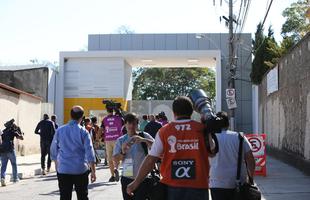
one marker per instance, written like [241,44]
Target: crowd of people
[190,166]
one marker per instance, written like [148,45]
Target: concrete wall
[26,111]
[142,107]
[285,114]
[33,81]
[209,41]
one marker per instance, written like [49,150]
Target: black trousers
[222,194]
[139,194]
[45,151]
[66,183]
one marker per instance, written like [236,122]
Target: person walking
[73,153]
[224,164]
[152,127]
[112,125]
[130,150]
[181,145]
[10,132]
[95,130]
[54,118]
[46,130]
[143,123]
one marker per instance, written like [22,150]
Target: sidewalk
[27,167]
[283,182]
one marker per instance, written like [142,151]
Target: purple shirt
[112,127]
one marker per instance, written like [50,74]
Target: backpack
[157,190]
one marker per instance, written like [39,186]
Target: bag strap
[240,136]
[144,146]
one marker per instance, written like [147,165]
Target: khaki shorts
[109,147]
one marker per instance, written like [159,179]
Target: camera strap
[240,136]
[144,146]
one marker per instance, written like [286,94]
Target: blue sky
[41,28]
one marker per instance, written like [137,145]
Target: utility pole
[232,59]
[230,91]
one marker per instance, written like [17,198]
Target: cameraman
[9,133]
[112,129]
[185,166]
[223,169]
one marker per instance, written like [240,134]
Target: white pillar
[255,108]
[218,83]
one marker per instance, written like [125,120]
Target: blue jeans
[175,193]
[5,157]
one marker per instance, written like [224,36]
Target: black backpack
[157,190]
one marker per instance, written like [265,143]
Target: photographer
[112,129]
[10,132]
[223,169]
[130,150]
[181,145]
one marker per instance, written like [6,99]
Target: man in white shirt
[223,170]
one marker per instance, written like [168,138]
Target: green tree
[266,54]
[286,44]
[167,83]
[296,24]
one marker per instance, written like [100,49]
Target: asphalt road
[45,187]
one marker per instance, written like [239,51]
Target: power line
[239,14]
[267,13]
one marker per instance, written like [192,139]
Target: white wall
[27,113]
[94,77]
[128,83]
[8,106]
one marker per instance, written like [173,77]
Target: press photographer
[232,163]
[7,151]
[114,106]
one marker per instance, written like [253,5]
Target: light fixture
[192,64]
[192,60]
[147,60]
[200,35]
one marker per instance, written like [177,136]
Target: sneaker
[112,179]
[43,172]
[105,162]
[15,180]
[116,174]
[48,170]
[3,182]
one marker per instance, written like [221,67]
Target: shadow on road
[47,178]
[101,166]
[53,193]
[99,184]
[28,164]
[91,186]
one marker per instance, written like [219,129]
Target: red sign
[259,151]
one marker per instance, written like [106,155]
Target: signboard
[231,98]
[231,103]
[230,93]
[259,151]
[272,81]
